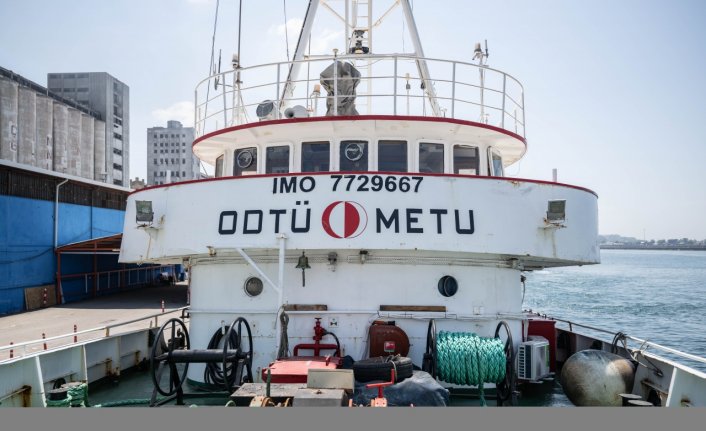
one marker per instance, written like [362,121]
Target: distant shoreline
[653,247]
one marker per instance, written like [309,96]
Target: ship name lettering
[391,221]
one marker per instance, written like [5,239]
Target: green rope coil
[78,393]
[466,359]
[66,402]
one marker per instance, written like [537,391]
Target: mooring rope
[466,359]
[76,396]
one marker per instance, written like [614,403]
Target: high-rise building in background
[170,158]
[42,129]
[106,95]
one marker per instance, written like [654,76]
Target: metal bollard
[163,306]
[44,297]
[44,336]
[12,351]
[75,336]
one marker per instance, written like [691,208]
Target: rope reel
[464,358]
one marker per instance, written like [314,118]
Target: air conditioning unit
[533,359]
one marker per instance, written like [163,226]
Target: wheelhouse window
[431,158]
[496,163]
[245,161]
[466,160]
[354,156]
[316,156]
[277,160]
[392,156]
[219,166]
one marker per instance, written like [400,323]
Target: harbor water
[656,295]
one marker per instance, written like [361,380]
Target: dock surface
[91,313]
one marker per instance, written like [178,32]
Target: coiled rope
[76,396]
[466,359]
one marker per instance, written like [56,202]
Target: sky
[615,91]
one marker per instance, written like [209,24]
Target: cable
[213,374]
[240,26]
[338,343]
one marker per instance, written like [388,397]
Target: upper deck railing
[458,90]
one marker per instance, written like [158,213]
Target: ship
[361,244]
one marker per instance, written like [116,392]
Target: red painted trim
[416,174]
[360,118]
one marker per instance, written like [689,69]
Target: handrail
[106,328]
[642,342]
[497,98]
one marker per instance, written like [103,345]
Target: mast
[350,29]
[421,63]
[302,43]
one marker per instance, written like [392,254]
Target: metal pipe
[56,212]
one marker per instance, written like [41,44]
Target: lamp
[144,213]
[556,211]
[303,263]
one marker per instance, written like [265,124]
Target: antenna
[479,55]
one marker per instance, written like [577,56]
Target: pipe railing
[643,343]
[496,99]
[149,275]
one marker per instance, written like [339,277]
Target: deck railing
[388,85]
[26,348]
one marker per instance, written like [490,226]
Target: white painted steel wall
[353,293]
[508,218]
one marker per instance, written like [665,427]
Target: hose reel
[467,359]
[172,347]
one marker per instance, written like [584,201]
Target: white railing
[19,350]
[459,90]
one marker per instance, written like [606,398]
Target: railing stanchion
[502,114]
[453,91]
[278,102]
[225,103]
[335,86]
[394,97]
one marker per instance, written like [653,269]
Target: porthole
[244,159]
[448,286]
[354,151]
[253,286]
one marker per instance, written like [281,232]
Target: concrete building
[138,183]
[42,129]
[106,95]
[169,155]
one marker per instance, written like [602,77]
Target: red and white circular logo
[344,219]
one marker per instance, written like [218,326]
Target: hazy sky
[615,91]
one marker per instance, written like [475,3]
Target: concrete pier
[92,313]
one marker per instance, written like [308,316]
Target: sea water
[656,295]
